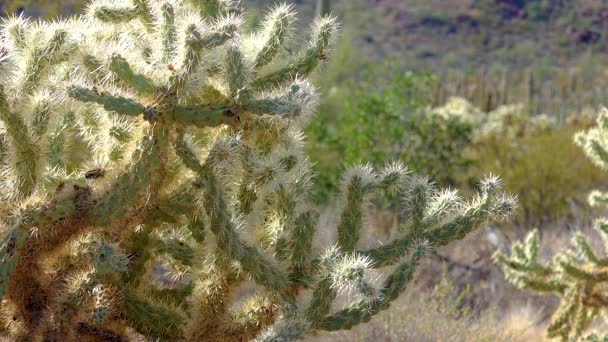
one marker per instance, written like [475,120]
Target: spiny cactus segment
[153,164]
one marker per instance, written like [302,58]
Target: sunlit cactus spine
[153,165]
[578,275]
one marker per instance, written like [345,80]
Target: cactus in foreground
[152,166]
[578,275]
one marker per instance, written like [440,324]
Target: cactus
[152,164]
[578,275]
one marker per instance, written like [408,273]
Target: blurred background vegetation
[457,89]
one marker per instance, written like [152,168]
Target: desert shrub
[545,170]
[153,165]
[578,274]
[389,125]
[533,155]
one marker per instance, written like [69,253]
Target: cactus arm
[147,160]
[40,58]
[262,271]
[56,145]
[177,297]
[16,29]
[394,285]
[324,30]
[320,305]
[215,8]
[194,45]
[41,117]
[278,26]
[145,13]
[273,106]
[300,240]
[168,32]
[10,249]
[121,68]
[252,261]
[177,249]
[390,253]
[111,103]
[140,245]
[26,152]
[117,14]
[236,70]
[599,275]
[16,240]
[351,218]
[150,319]
[196,226]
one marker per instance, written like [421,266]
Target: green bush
[545,170]
[532,154]
[389,124]
[577,274]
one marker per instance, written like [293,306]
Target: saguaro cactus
[153,164]
[578,275]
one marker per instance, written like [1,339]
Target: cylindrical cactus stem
[19,250]
[116,104]
[415,200]
[209,305]
[154,320]
[123,71]
[216,8]
[324,293]
[176,248]
[394,285]
[469,217]
[277,27]
[147,161]
[300,243]
[253,262]
[355,185]
[196,226]
[324,29]
[236,70]
[26,153]
[323,7]
[168,32]
[16,28]
[116,14]
[194,45]
[144,11]
[41,115]
[40,58]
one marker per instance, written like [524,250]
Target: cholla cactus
[152,164]
[578,275]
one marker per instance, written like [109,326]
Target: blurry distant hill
[462,33]
[442,33]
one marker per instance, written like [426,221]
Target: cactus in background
[578,275]
[152,166]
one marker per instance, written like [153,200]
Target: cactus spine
[152,163]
